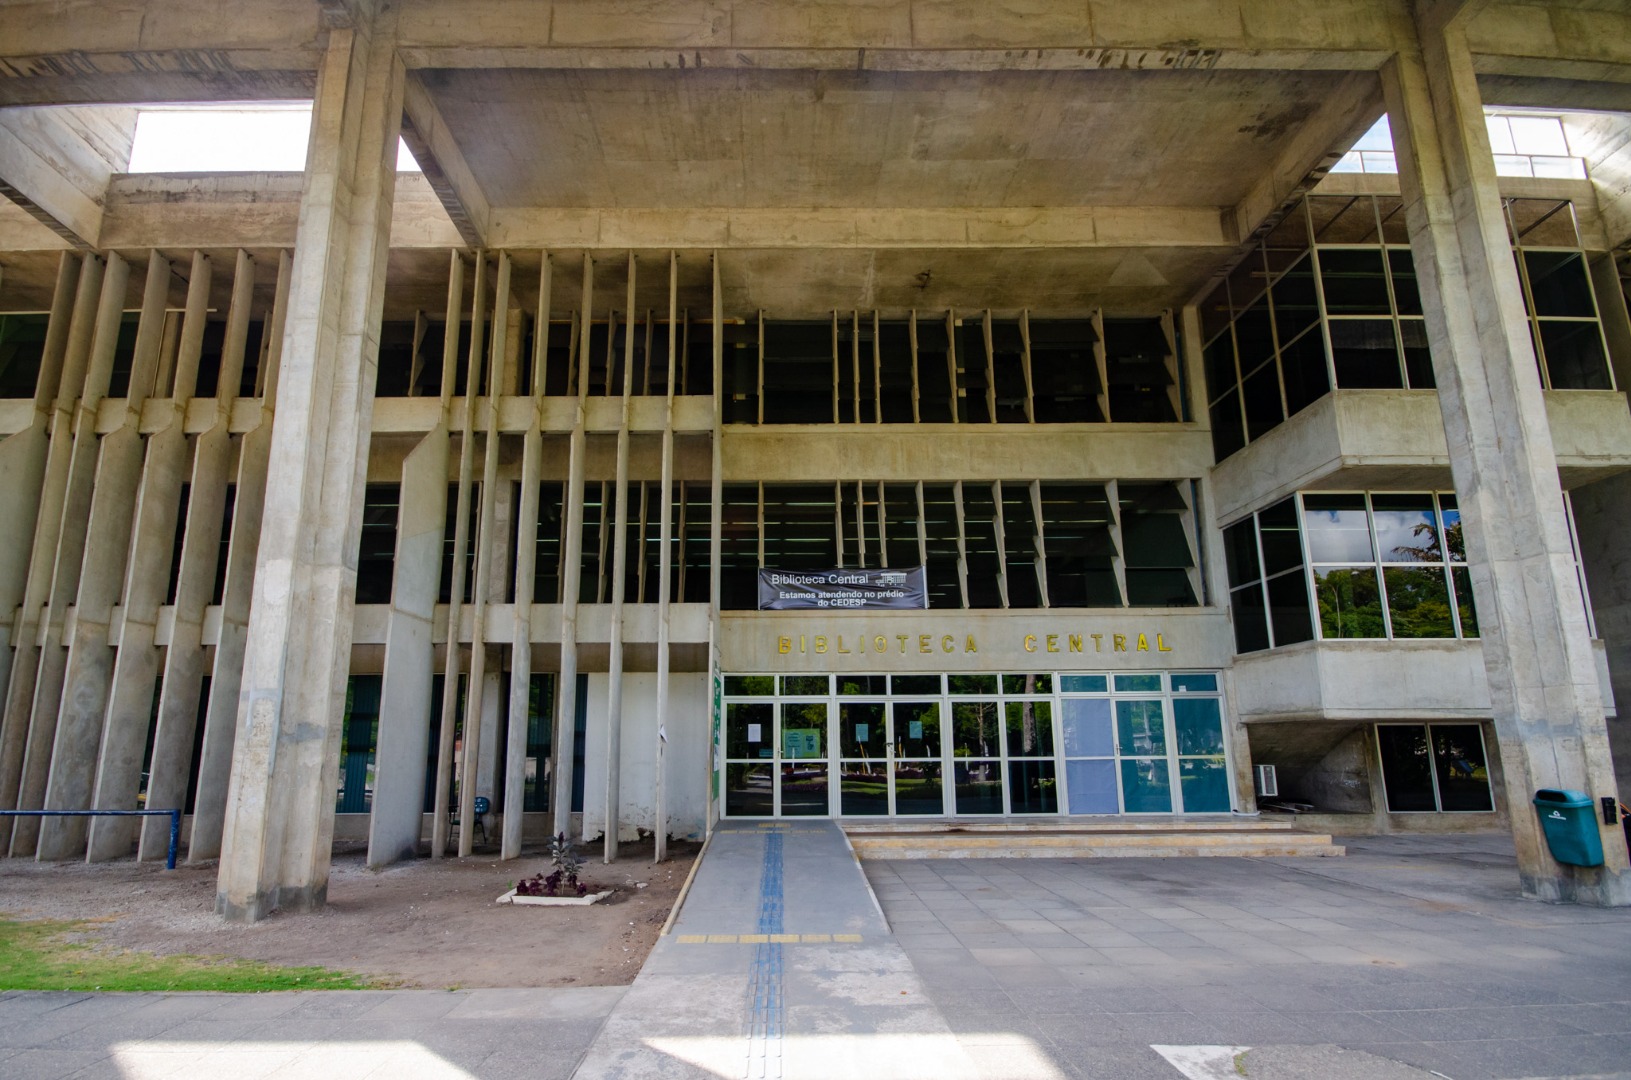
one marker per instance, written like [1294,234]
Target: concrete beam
[900,34]
[443,165]
[56,164]
[88,51]
[1565,41]
[1320,141]
[895,227]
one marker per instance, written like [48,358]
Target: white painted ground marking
[1203,1062]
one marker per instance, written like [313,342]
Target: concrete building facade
[344,503]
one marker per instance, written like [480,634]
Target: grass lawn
[64,956]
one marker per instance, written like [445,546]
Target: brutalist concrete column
[285,762]
[1544,692]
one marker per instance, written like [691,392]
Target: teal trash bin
[1570,821]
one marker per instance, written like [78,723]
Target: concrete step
[1107,823]
[1174,842]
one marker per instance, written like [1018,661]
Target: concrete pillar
[1544,692]
[566,693]
[285,765]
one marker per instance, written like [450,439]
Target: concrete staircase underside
[1110,838]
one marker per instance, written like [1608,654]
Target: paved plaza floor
[1408,959]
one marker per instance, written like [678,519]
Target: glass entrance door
[777,762]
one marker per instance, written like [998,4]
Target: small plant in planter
[562,880]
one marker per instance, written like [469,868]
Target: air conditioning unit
[1267,785]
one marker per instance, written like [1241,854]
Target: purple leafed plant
[563,879]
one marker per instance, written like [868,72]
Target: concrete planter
[555,901]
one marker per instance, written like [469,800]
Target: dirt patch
[420,923]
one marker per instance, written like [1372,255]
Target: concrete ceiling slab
[708,138]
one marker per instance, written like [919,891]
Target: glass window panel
[1463,601]
[973,684]
[1574,355]
[1418,357]
[1406,293]
[805,684]
[1558,168]
[1141,728]
[863,788]
[979,787]
[1087,727]
[1453,539]
[974,729]
[1296,300]
[1198,723]
[804,789]
[748,790]
[1282,542]
[1406,528]
[917,729]
[1030,729]
[1228,425]
[1254,336]
[1350,603]
[1289,609]
[914,684]
[1303,370]
[1343,219]
[1240,550]
[1395,229]
[1092,787]
[1250,619]
[1354,281]
[1032,787]
[1084,684]
[1337,528]
[851,685]
[1219,358]
[980,540]
[1159,588]
[750,730]
[861,731]
[1500,135]
[1512,165]
[1264,409]
[1463,773]
[1146,786]
[940,542]
[1195,683]
[1407,772]
[1138,684]
[1538,135]
[1019,546]
[804,729]
[1027,684]
[1365,354]
[1204,782]
[1349,162]
[1559,284]
[1543,222]
[918,788]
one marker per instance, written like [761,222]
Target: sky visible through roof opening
[1524,145]
[214,139]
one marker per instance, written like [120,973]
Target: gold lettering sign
[822,644]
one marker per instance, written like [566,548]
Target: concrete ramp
[779,965]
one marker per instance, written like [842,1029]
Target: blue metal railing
[174,816]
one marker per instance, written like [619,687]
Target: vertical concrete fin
[566,697]
[193,323]
[489,550]
[405,702]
